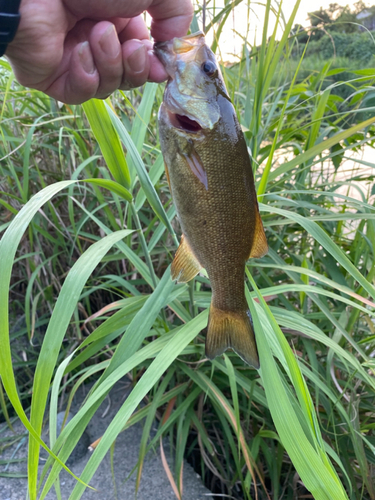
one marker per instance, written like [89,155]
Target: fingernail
[109,42]
[137,60]
[86,58]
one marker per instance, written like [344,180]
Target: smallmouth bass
[211,181]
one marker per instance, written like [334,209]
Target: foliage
[340,32]
[87,239]
[338,19]
[359,47]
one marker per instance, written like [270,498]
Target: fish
[211,181]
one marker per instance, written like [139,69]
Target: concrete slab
[154,484]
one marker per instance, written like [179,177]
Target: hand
[74,50]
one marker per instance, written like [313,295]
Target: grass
[88,234]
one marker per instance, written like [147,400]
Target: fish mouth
[185,47]
[183,122]
[180,45]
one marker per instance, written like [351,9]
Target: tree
[302,34]
[317,20]
[345,22]
[359,6]
[336,18]
[319,17]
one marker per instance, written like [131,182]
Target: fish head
[194,84]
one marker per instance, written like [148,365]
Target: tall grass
[88,233]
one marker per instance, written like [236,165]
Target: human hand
[74,50]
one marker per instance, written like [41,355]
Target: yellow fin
[231,330]
[185,265]
[260,245]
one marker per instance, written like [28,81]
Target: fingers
[170,18]
[78,79]
[105,9]
[136,63]
[95,64]
[90,75]
[107,54]
[66,49]
[157,72]
[140,63]
[98,67]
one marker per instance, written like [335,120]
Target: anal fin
[185,265]
[231,330]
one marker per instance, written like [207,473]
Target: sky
[230,43]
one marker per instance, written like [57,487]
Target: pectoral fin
[196,166]
[167,176]
[231,330]
[260,246]
[185,265]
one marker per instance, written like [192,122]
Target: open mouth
[184,122]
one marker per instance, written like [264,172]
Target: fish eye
[209,68]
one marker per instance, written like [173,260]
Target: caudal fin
[231,330]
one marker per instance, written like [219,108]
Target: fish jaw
[168,51]
[190,92]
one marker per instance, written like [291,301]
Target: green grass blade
[8,248]
[142,173]
[321,236]
[149,421]
[59,322]
[319,148]
[108,140]
[312,464]
[161,363]
[143,321]
[113,186]
[265,175]
[141,123]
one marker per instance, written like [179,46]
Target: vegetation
[341,36]
[359,47]
[340,32]
[88,234]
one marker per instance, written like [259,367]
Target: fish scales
[212,185]
[218,221]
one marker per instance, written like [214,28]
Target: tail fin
[231,330]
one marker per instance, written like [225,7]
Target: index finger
[170,18]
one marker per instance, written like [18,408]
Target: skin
[216,202]
[75,50]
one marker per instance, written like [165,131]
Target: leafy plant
[88,233]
